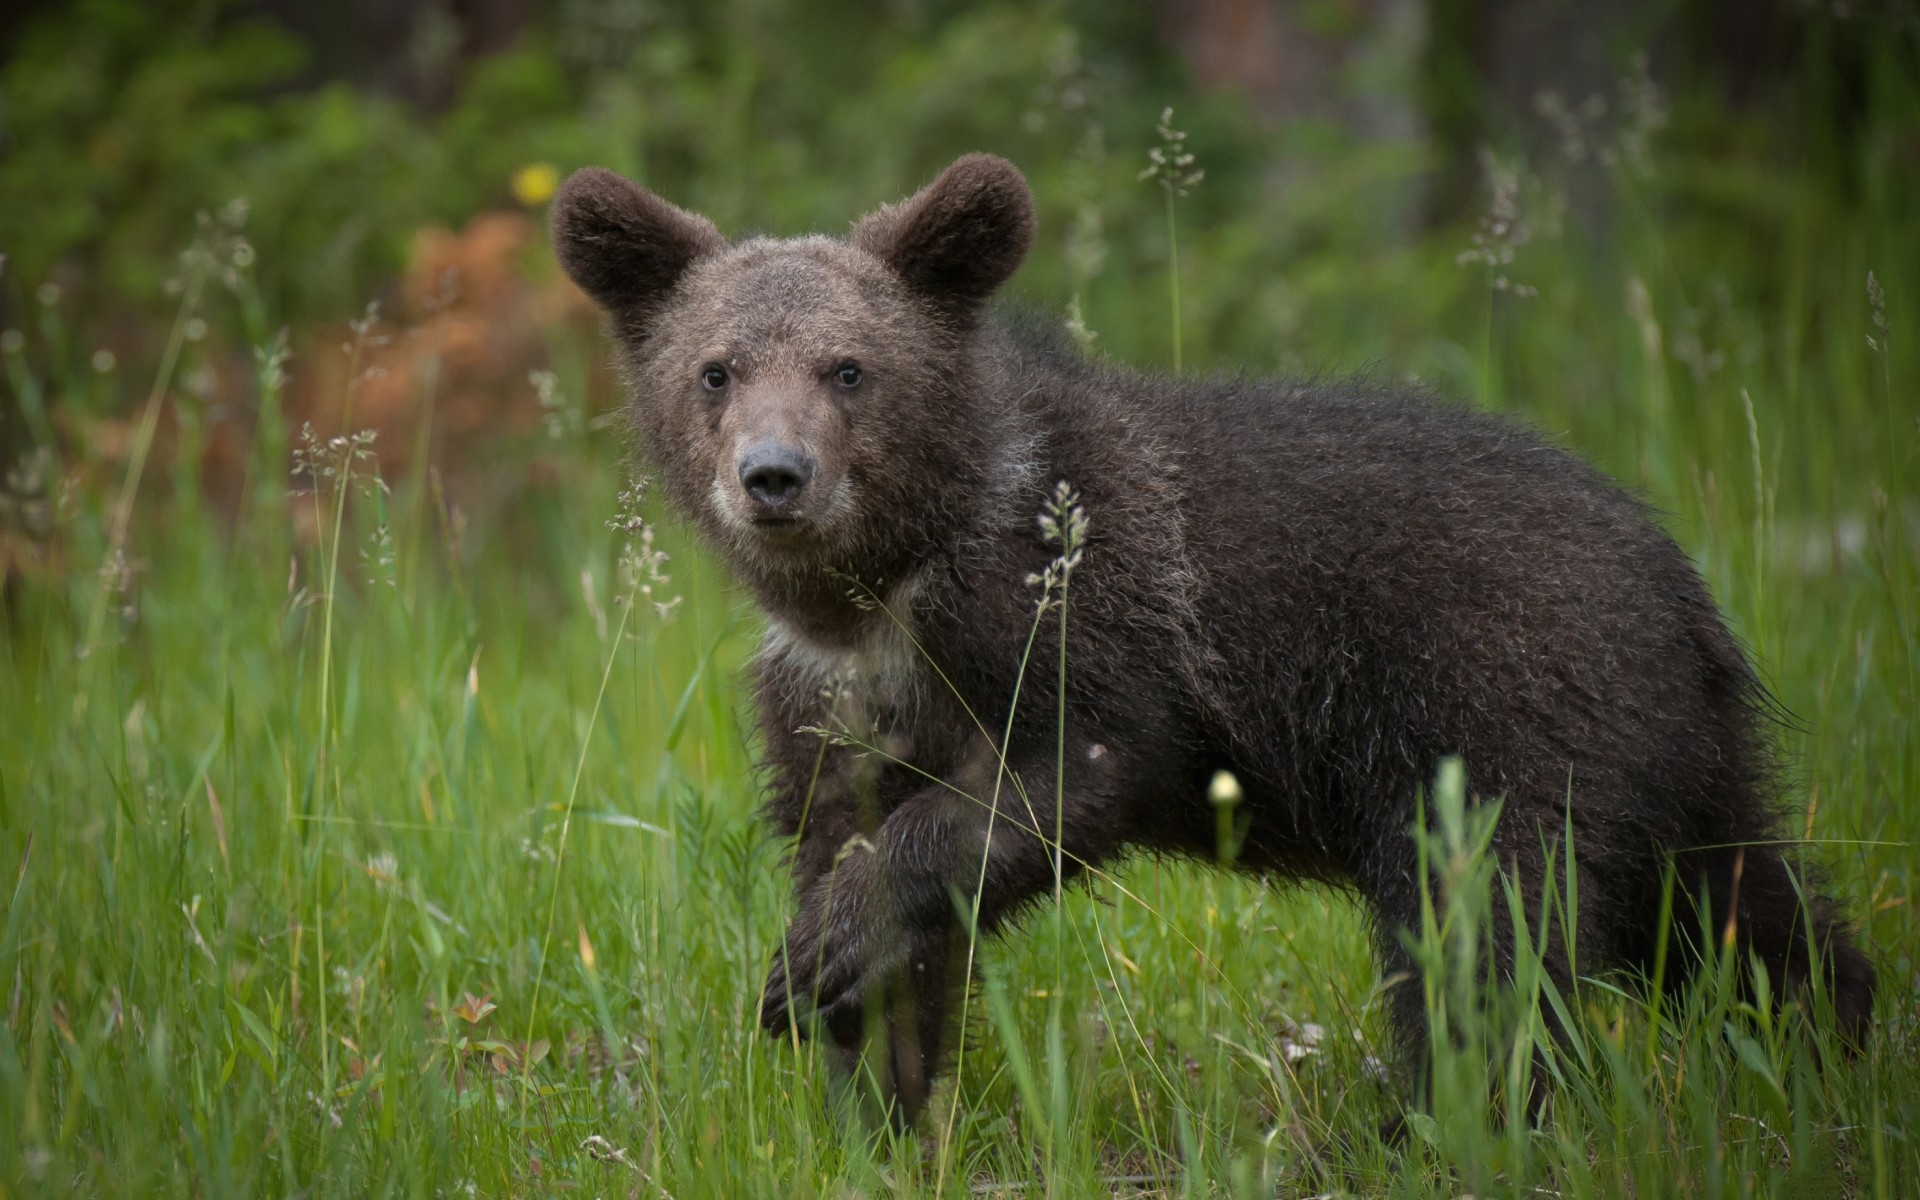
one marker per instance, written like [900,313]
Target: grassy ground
[392,858]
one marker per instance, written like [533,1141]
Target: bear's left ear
[958,238]
[626,247]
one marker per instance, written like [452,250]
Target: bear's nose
[773,474]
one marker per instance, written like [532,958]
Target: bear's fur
[1323,588]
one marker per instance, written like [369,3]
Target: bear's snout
[773,474]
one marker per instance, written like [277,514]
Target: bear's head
[808,402]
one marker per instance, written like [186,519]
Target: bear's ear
[958,238]
[623,245]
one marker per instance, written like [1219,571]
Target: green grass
[278,815]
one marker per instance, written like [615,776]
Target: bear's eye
[848,375]
[714,376]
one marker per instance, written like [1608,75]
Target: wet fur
[1322,586]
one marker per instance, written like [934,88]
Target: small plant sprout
[1496,241]
[1571,122]
[1086,246]
[119,582]
[26,504]
[1640,111]
[269,363]
[558,414]
[270,358]
[1877,299]
[1503,229]
[1172,166]
[383,868]
[334,466]
[1063,523]
[379,560]
[1643,113]
[355,348]
[1077,327]
[641,565]
[333,458]
[1225,794]
[205,256]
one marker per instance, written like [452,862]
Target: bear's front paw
[844,942]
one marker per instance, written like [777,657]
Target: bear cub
[1324,588]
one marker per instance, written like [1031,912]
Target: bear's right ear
[623,245]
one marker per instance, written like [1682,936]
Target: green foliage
[346,852]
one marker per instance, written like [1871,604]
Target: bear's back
[1384,574]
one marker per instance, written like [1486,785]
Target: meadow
[364,836]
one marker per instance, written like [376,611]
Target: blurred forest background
[376,815]
[401,152]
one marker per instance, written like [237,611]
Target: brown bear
[1324,588]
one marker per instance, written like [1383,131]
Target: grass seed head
[1171,164]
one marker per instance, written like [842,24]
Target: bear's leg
[1769,908]
[1397,908]
[893,1043]
[883,929]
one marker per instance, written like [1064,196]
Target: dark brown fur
[1324,588]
